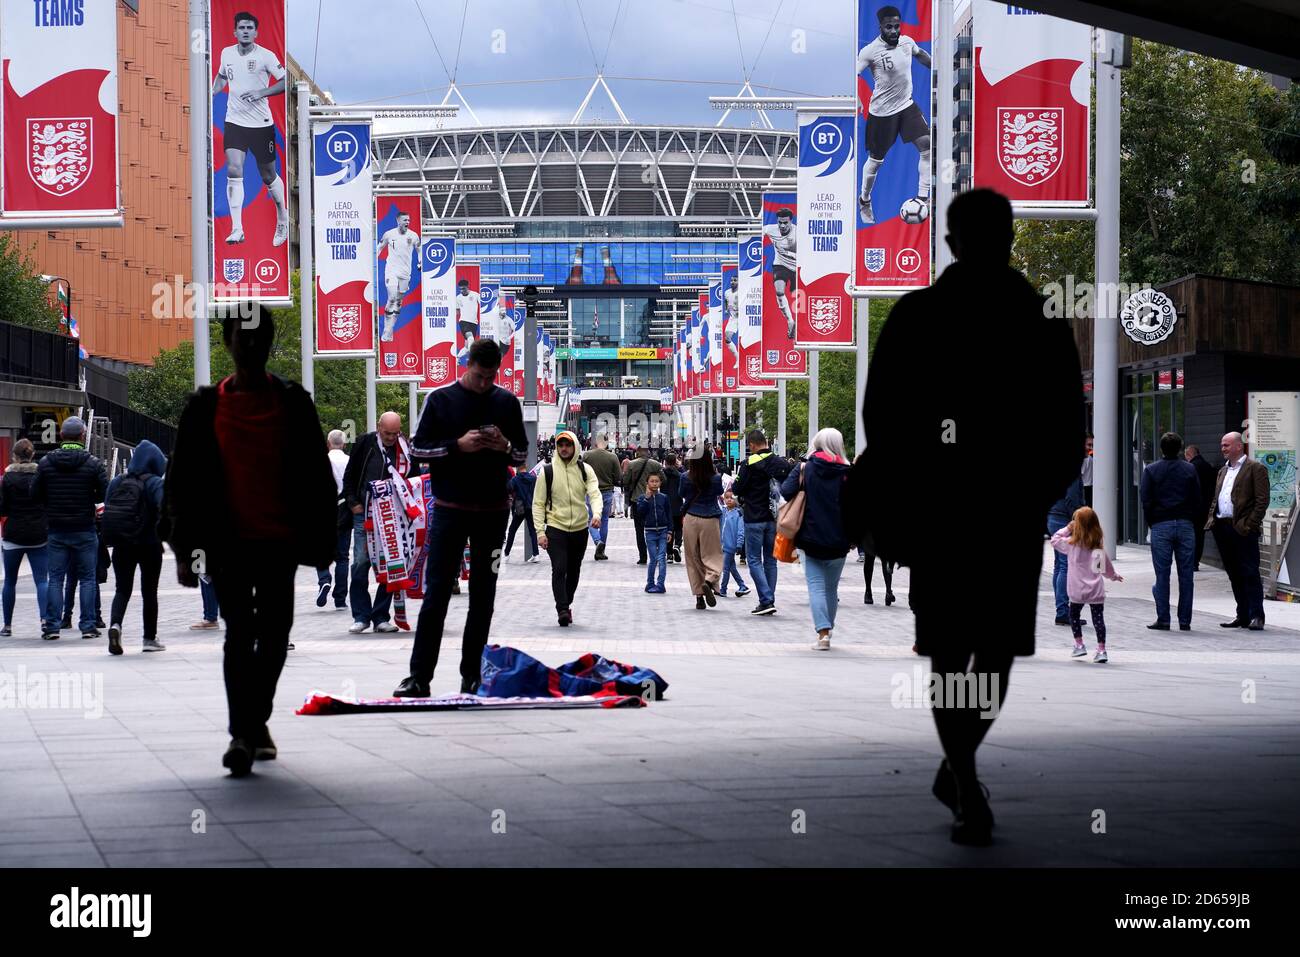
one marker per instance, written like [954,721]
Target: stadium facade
[619,226]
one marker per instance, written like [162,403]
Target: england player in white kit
[731,318]
[401,242]
[246,69]
[892,111]
[784,237]
[467,318]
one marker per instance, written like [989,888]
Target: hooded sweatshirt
[149,464]
[570,496]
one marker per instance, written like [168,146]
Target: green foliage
[162,389]
[24,299]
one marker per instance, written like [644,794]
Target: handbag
[790,519]
[783,549]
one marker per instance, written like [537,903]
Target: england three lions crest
[824,314]
[754,366]
[437,370]
[1031,142]
[874,258]
[59,153]
[345,322]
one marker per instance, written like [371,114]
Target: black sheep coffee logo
[1148,316]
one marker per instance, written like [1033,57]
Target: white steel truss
[588,170]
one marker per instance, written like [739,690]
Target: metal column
[1105,347]
[814,364]
[306,276]
[199,226]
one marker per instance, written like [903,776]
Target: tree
[24,299]
[162,389]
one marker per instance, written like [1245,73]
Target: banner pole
[1105,331]
[863,307]
[306,274]
[814,363]
[944,45]
[780,416]
[199,150]
[414,412]
[371,415]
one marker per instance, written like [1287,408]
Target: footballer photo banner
[825,214]
[401,264]
[717,379]
[730,350]
[1033,88]
[343,236]
[780,358]
[59,149]
[250,175]
[893,165]
[749,272]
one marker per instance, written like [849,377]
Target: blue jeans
[729,570]
[601,535]
[1170,541]
[1060,568]
[362,608]
[340,578]
[656,543]
[64,549]
[37,559]
[823,577]
[760,539]
[211,609]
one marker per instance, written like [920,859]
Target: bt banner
[59,148]
[343,236]
[749,247]
[250,178]
[398,291]
[780,358]
[826,214]
[443,293]
[892,130]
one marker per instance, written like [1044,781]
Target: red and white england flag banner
[250,172]
[344,235]
[780,358]
[730,328]
[444,293]
[517,352]
[433,337]
[703,378]
[826,214]
[500,328]
[893,162]
[750,378]
[60,110]
[398,290]
[1033,86]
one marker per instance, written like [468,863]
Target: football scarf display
[395,529]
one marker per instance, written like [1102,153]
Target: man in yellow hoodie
[564,490]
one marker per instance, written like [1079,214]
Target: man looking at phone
[469,433]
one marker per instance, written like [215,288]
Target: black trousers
[640,535]
[527,521]
[1240,554]
[448,531]
[149,558]
[256,599]
[566,550]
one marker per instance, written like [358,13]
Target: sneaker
[699,603]
[357,627]
[236,236]
[153,644]
[864,211]
[1100,657]
[385,628]
[49,636]
[533,561]
[100,624]
[6,632]
[1159,626]
[204,625]
[649,589]
[742,592]
[342,607]
[708,595]
[1079,651]
[65,625]
[115,640]
[281,233]
[238,758]
[565,618]
[862,559]
[264,748]
[1062,621]
[641,561]
[323,595]
[659,590]
[411,687]
[288,646]
[822,644]
[765,608]
[90,635]
[722,594]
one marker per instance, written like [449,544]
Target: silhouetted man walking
[998,370]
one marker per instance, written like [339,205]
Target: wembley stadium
[619,226]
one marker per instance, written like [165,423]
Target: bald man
[1236,517]
[371,457]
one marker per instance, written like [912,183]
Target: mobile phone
[488,428]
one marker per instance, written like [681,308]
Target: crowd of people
[239,524]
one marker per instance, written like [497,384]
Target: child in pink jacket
[1081,543]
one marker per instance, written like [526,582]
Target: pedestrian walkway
[765,752]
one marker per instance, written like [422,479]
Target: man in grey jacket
[609,474]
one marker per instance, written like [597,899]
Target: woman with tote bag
[820,531]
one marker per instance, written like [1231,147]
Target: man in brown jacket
[1236,517]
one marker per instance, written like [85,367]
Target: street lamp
[67,313]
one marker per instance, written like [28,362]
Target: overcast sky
[665,58]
